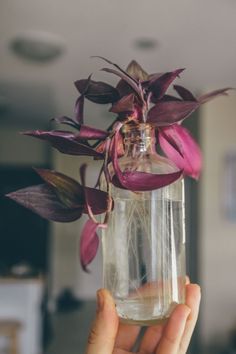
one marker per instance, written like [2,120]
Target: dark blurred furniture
[23,234]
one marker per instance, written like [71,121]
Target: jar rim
[132,127]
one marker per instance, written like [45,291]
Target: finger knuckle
[92,336]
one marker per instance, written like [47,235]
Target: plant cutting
[138,199]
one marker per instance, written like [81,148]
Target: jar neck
[139,140]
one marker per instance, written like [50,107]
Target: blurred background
[44,47]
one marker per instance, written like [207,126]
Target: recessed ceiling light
[146,43]
[37,46]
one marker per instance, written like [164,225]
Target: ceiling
[199,35]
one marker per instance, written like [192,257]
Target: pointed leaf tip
[158,85]
[135,70]
[185,94]
[97,91]
[213,94]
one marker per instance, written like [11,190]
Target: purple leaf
[185,94]
[139,181]
[43,201]
[79,110]
[159,85]
[125,104]
[69,191]
[123,88]
[86,132]
[128,80]
[134,71]
[180,147]
[151,77]
[167,113]
[97,91]
[167,98]
[209,96]
[96,201]
[72,194]
[142,182]
[65,142]
[117,67]
[88,243]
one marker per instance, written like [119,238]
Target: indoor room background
[44,47]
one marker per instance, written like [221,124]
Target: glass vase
[144,243]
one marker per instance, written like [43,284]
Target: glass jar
[144,243]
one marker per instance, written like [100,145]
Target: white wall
[217,233]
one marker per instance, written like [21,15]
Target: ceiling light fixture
[146,43]
[37,46]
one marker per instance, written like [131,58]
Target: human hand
[107,336]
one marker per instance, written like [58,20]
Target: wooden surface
[10,329]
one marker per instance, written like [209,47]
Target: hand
[107,336]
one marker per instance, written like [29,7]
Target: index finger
[173,331]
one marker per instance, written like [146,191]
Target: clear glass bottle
[144,244]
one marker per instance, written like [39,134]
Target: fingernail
[100,301]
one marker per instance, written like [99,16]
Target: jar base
[151,322]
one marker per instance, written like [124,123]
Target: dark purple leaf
[180,147]
[125,104]
[65,142]
[158,86]
[79,110]
[117,67]
[185,94]
[135,71]
[150,78]
[142,182]
[123,88]
[97,91]
[167,113]
[139,181]
[88,243]
[209,96]
[127,79]
[69,191]
[96,201]
[167,98]
[43,201]
[86,132]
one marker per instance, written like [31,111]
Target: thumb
[104,329]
